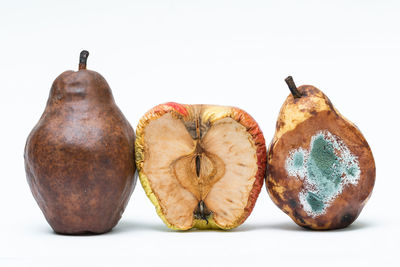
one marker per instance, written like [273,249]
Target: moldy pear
[320,167]
[79,158]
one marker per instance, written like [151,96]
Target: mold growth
[326,168]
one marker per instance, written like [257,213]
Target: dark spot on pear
[292,203]
[298,217]
[347,219]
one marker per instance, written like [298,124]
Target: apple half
[202,166]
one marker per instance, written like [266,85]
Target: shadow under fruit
[79,158]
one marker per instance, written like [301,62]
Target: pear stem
[292,86]
[82,59]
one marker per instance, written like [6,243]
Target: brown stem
[292,86]
[82,59]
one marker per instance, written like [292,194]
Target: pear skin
[79,158]
[321,170]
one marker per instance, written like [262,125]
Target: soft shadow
[286,226]
[129,226]
[80,234]
[44,229]
[355,226]
[88,233]
[291,226]
[121,227]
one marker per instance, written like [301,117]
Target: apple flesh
[202,166]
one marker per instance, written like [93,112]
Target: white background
[219,52]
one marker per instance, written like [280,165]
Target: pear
[79,158]
[321,171]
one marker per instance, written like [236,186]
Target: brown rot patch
[292,203]
[280,124]
[313,112]
[347,219]
[331,108]
[298,217]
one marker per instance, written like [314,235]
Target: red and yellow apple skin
[207,115]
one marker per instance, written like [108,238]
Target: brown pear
[79,158]
[320,167]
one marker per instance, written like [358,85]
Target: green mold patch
[325,169]
[298,159]
[315,201]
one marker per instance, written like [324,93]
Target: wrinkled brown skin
[79,158]
[284,190]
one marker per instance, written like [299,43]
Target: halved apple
[202,166]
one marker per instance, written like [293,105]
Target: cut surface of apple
[202,166]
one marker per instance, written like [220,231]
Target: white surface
[218,52]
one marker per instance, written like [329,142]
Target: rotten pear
[79,158]
[320,167]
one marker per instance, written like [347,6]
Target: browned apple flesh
[198,168]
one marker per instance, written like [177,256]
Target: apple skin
[218,112]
